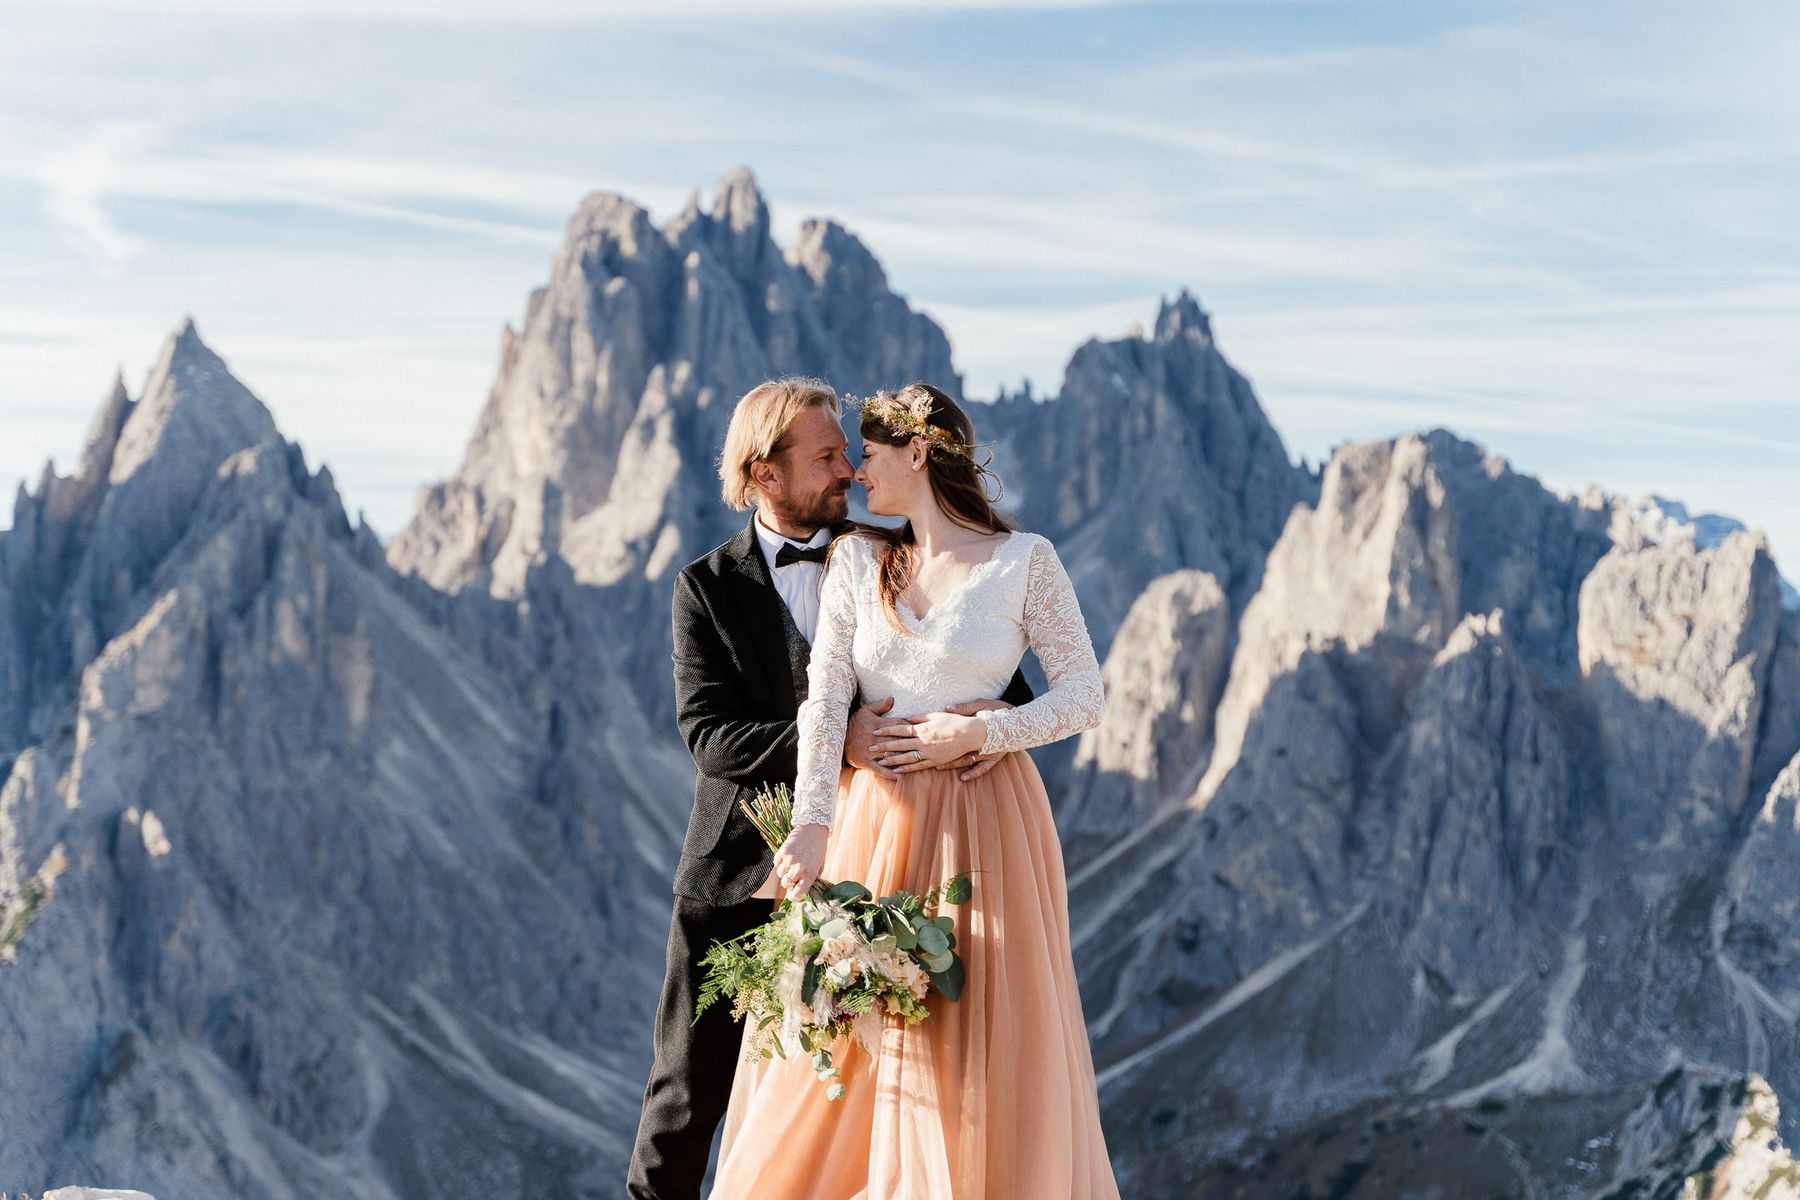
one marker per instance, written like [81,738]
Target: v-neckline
[956,592]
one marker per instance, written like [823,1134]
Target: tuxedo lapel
[759,604]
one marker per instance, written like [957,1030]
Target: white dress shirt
[797,583]
[798,586]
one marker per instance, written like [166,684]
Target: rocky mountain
[597,445]
[272,826]
[1155,456]
[597,441]
[1663,518]
[1468,844]
[1441,838]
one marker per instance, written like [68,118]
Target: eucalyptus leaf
[932,940]
[950,979]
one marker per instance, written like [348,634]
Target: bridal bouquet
[831,963]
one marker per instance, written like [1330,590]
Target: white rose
[837,949]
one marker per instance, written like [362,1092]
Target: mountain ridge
[1427,798]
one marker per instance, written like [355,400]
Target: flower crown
[908,411]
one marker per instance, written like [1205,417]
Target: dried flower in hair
[907,412]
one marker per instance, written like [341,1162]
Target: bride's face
[891,485]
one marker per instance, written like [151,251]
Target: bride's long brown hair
[958,485]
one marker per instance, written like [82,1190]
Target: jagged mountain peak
[823,247]
[196,463]
[1183,316]
[1406,537]
[1158,444]
[1451,448]
[1659,518]
[211,689]
[604,211]
[95,461]
[192,408]
[609,236]
[626,365]
[736,230]
[739,203]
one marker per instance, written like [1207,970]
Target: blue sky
[1567,231]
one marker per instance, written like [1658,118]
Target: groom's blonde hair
[759,425]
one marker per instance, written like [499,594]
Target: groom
[744,619]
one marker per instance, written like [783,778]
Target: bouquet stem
[771,810]
[859,957]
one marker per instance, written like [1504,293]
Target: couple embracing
[777,634]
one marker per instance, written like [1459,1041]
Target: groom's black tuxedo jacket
[737,692]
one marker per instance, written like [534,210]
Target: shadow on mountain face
[335,875]
[1434,813]
[1383,954]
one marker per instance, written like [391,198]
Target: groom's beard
[827,508]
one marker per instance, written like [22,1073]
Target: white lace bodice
[966,648]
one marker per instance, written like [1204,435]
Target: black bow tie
[789,554]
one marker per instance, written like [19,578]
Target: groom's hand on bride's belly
[928,741]
[969,708]
[859,738]
[974,766]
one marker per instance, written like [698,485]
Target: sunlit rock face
[1154,456]
[306,886]
[1162,683]
[598,440]
[1440,838]
[1476,826]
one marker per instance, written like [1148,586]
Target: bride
[993,1096]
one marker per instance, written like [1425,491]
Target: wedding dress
[992,1097]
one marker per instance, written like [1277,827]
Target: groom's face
[808,482]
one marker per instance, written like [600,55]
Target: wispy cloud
[76,181]
[1539,224]
[115,163]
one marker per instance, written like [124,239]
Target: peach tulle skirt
[990,1098]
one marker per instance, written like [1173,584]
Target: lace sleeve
[1054,628]
[830,683]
